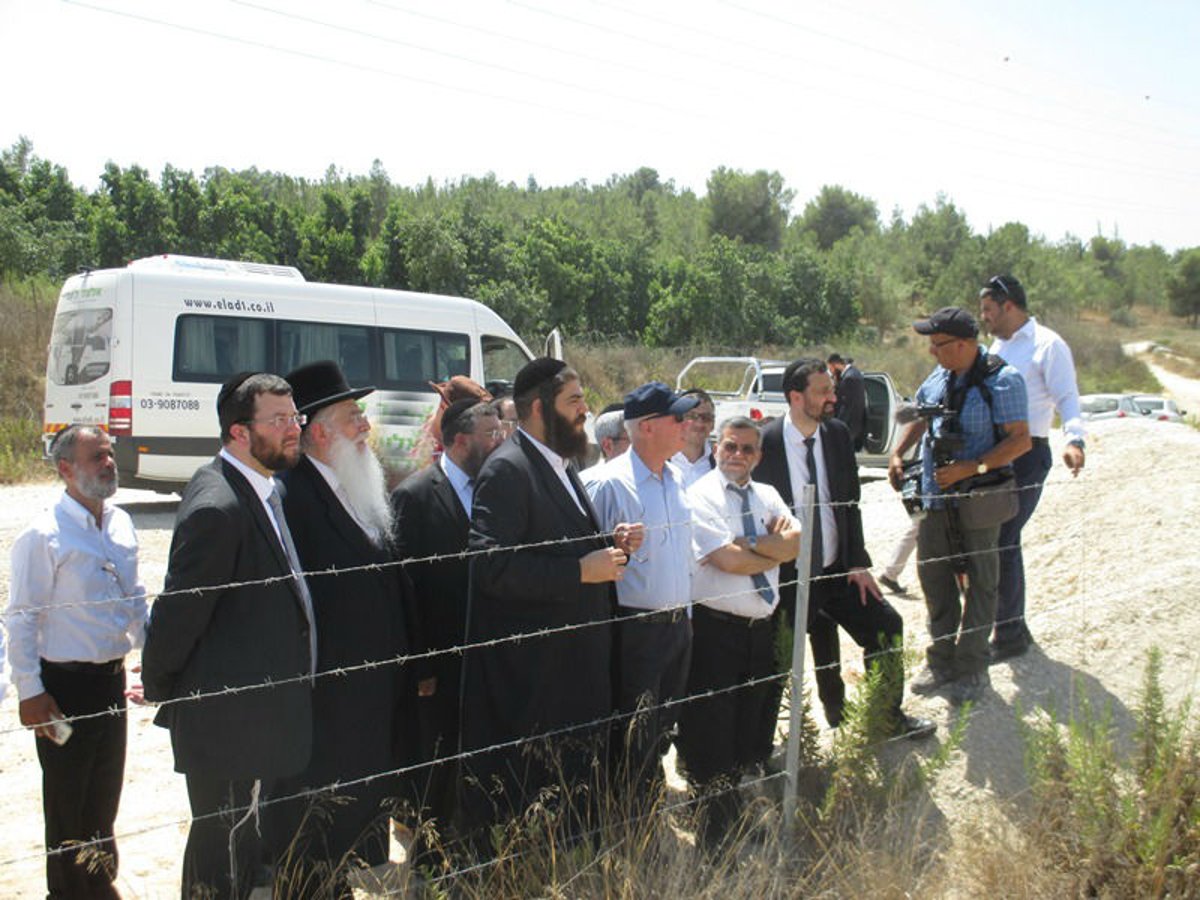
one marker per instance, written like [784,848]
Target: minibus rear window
[80,346]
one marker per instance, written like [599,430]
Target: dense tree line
[635,257]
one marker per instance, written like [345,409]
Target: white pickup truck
[758,396]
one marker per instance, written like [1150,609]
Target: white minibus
[143,350]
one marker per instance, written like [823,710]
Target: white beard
[364,485]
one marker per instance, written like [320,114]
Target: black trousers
[81,780]
[875,626]
[717,734]
[211,867]
[653,661]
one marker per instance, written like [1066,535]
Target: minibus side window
[349,346]
[502,358]
[412,359]
[211,348]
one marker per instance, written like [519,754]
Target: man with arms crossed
[742,532]
[235,612]
[75,609]
[1044,361]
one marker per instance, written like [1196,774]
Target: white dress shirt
[335,485]
[463,484]
[797,458]
[1045,362]
[716,522]
[263,486]
[75,594]
[559,465]
[694,471]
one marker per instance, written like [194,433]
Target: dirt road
[1111,562]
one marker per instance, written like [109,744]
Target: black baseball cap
[949,320]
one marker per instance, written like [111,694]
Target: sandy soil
[1110,558]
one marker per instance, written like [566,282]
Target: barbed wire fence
[1080,600]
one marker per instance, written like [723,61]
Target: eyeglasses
[729,448]
[699,417]
[495,433]
[508,426]
[280,421]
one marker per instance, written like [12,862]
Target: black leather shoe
[914,728]
[893,585]
[1002,650]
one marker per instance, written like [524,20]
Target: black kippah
[535,372]
[230,386]
[455,411]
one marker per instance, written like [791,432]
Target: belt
[742,621]
[662,616]
[112,667]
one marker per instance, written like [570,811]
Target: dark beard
[562,438]
[274,460]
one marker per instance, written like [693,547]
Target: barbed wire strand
[463,555]
[461,649]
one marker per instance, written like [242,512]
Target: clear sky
[1070,117]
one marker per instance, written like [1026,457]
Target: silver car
[1108,406]
[1161,408]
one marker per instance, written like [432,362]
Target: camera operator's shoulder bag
[992,498]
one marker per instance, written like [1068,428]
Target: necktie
[818,546]
[761,583]
[293,559]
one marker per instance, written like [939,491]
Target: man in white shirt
[696,458]
[75,609]
[1044,361]
[742,531]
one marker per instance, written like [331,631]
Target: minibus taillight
[120,408]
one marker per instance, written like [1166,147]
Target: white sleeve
[710,530]
[30,590]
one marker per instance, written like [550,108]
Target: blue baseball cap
[656,399]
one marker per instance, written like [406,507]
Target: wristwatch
[981,468]
[752,542]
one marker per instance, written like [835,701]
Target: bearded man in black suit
[432,512]
[337,505]
[235,612]
[540,561]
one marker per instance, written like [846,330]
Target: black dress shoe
[893,585]
[914,728]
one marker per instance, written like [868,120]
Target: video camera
[948,440]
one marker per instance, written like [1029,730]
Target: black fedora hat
[319,384]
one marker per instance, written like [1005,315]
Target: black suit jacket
[430,521]
[852,404]
[842,471]
[542,683]
[360,618]
[214,636]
